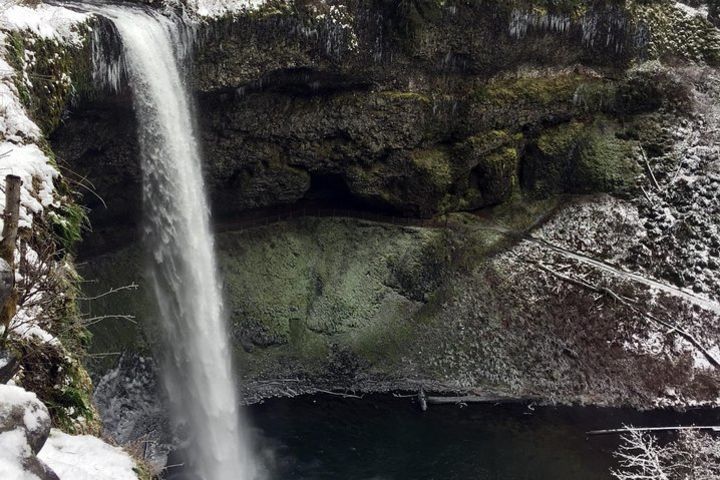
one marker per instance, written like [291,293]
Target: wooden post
[11,217]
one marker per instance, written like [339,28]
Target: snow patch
[30,164]
[19,155]
[701,361]
[13,449]
[11,395]
[46,21]
[15,125]
[34,412]
[218,8]
[691,11]
[84,457]
[32,331]
[14,446]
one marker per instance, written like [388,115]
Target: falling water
[197,373]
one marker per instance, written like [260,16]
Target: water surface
[386,438]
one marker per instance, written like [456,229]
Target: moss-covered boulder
[581,158]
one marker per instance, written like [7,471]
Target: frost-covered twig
[132,286]
[649,167]
[93,320]
[692,455]
[640,458]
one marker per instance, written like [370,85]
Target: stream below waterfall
[387,438]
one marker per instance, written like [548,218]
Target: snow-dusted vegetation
[455,201]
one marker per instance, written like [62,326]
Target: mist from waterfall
[197,368]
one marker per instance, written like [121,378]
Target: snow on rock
[24,430]
[24,426]
[15,126]
[84,457]
[701,361]
[30,164]
[127,397]
[218,8]
[19,155]
[46,21]
[20,138]
[13,450]
[32,331]
[692,11]
[22,411]
[19,135]
[681,219]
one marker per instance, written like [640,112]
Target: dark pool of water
[381,438]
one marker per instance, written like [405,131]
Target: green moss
[44,76]
[596,96]
[15,48]
[434,167]
[541,90]
[546,170]
[143,472]
[492,166]
[606,163]
[68,221]
[494,139]
[415,181]
[73,407]
[295,288]
[578,157]
[60,381]
[674,34]
[561,141]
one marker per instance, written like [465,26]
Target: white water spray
[198,373]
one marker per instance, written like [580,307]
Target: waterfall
[197,371]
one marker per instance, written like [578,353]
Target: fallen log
[475,399]
[708,428]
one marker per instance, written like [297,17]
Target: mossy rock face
[492,167]
[535,90]
[606,163]
[61,382]
[405,39]
[672,33]
[531,99]
[50,73]
[290,96]
[295,93]
[416,181]
[295,289]
[324,277]
[581,158]
[651,86]
[548,164]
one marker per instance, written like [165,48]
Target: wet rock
[21,410]
[24,428]
[37,467]
[390,108]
